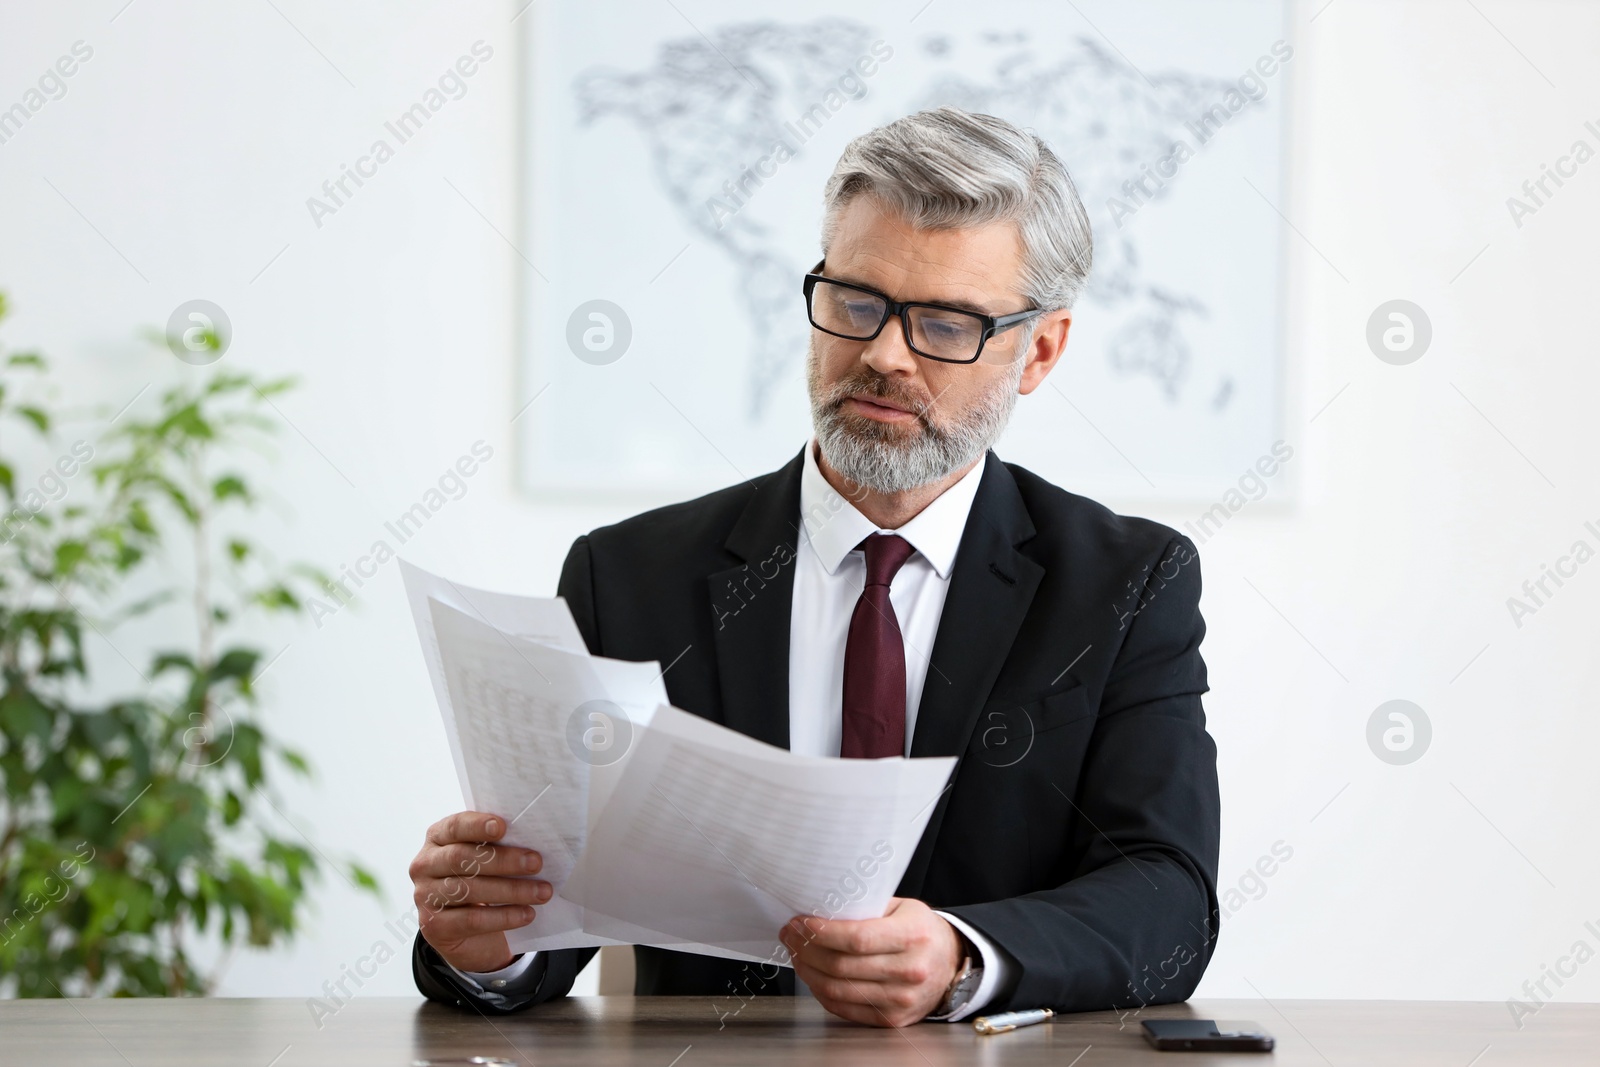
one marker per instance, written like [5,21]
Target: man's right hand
[468,892]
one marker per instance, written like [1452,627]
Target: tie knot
[886,554]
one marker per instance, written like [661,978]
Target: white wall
[1426,494]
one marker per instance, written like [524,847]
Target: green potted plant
[134,827]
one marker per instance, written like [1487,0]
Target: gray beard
[887,459]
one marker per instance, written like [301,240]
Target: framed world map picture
[674,160]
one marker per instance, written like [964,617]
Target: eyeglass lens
[944,334]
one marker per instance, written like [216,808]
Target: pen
[1007,1021]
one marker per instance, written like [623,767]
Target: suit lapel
[750,606]
[991,588]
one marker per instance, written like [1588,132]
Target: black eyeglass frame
[992,324]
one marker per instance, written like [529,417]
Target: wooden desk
[683,1032]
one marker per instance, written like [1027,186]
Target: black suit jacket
[1080,831]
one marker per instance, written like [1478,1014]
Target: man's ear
[1048,345]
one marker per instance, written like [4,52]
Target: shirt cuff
[998,969]
[508,982]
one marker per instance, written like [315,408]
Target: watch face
[964,986]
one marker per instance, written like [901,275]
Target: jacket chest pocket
[1008,731]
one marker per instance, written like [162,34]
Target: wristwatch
[968,977]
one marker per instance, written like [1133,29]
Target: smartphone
[1206,1035]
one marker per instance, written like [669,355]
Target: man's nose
[888,353]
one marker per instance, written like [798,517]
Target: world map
[677,162]
[710,106]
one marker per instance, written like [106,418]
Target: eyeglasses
[935,331]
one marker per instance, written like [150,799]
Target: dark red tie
[875,659]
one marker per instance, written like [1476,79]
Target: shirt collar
[834,527]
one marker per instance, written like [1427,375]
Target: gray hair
[945,168]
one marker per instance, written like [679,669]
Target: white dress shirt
[829,573]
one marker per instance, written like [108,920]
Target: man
[897,589]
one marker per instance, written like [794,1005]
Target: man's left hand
[891,971]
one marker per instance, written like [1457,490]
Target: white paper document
[546,621]
[657,827]
[715,838]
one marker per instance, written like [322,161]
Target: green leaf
[274,387]
[228,486]
[239,663]
[363,878]
[276,598]
[188,422]
[37,416]
[22,715]
[167,661]
[101,729]
[68,555]
[232,808]
[243,746]
[68,795]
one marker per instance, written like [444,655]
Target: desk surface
[684,1032]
